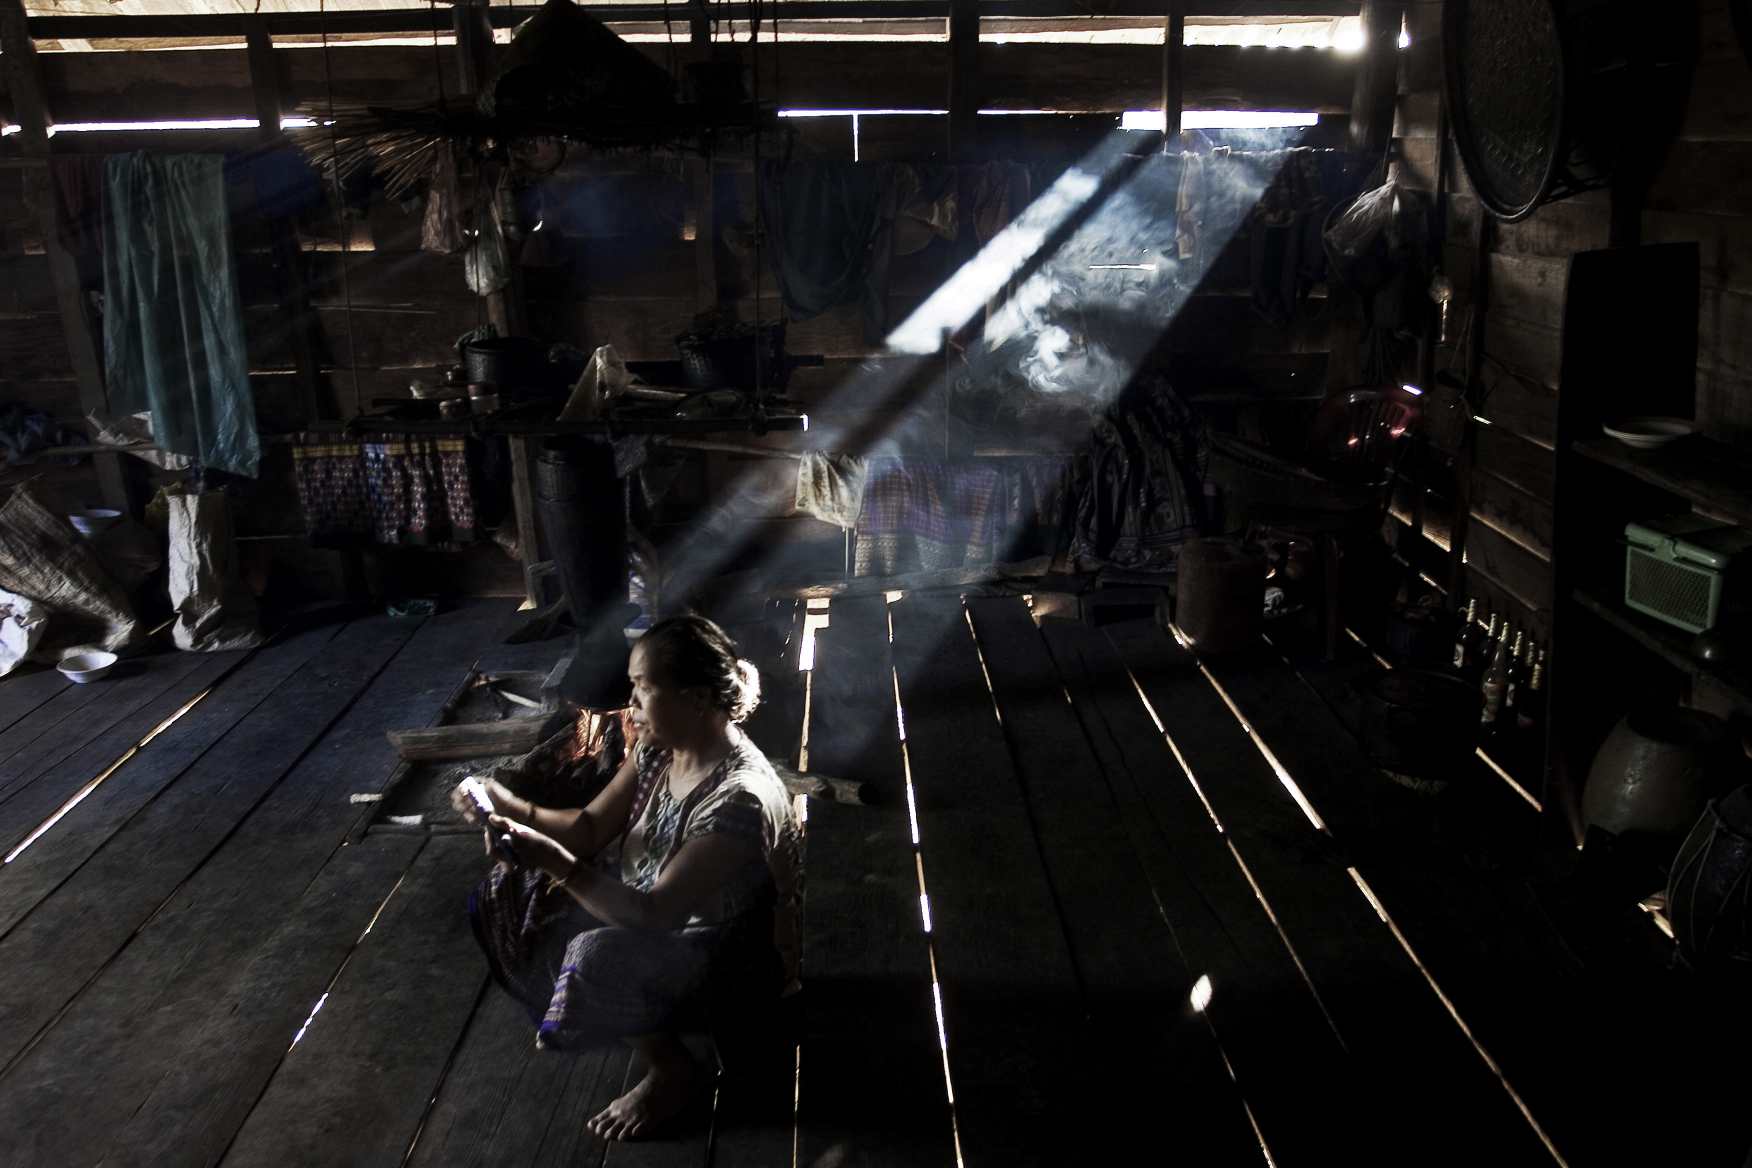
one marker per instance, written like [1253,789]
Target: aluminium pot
[1419,722]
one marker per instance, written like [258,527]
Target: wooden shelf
[1671,644]
[1711,474]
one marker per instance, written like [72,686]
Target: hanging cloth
[172,325]
[828,225]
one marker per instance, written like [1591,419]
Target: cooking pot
[1655,771]
[1419,722]
[518,366]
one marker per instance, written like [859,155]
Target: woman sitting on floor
[667,902]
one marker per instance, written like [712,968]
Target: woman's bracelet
[564,881]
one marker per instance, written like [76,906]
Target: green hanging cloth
[172,322]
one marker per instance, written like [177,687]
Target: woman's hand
[504,803]
[535,850]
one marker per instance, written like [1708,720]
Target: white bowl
[82,665]
[93,520]
[1649,433]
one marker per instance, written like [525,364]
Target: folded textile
[831,487]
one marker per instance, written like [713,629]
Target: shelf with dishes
[1713,476]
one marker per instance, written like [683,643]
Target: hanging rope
[328,80]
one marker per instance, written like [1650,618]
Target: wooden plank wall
[1509,539]
[615,262]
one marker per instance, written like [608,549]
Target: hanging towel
[921,516]
[329,473]
[829,225]
[831,487]
[172,326]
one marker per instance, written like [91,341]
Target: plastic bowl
[1649,433]
[82,665]
[93,520]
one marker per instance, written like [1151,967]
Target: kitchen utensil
[1649,433]
[80,666]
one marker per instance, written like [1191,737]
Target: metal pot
[1420,722]
[1654,771]
[517,365]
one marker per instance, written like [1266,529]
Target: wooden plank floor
[1083,916]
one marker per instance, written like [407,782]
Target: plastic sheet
[173,322]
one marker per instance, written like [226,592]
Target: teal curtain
[172,321]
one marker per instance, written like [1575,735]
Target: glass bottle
[1495,684]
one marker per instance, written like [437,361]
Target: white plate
[1650,433]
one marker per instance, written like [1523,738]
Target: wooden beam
[30,111]
[474,739]
[1097,78]
[418,20]
[303,332]
[1371,124]
[964,84]
[1173,71]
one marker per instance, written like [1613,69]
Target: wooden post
[302,328]
[474,57]
[964,88]
[505,308]
[30,111]
[1377,85]
[1173,71]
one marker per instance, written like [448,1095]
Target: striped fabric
[396,490]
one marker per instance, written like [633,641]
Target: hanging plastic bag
[1360,240]
[603,379]
[131,430]
[22,621]
[214,610]
[441,228]
[487,263]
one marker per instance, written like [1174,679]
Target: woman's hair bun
[745,690]
[695,653]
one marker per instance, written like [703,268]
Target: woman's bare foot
[670,1084]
